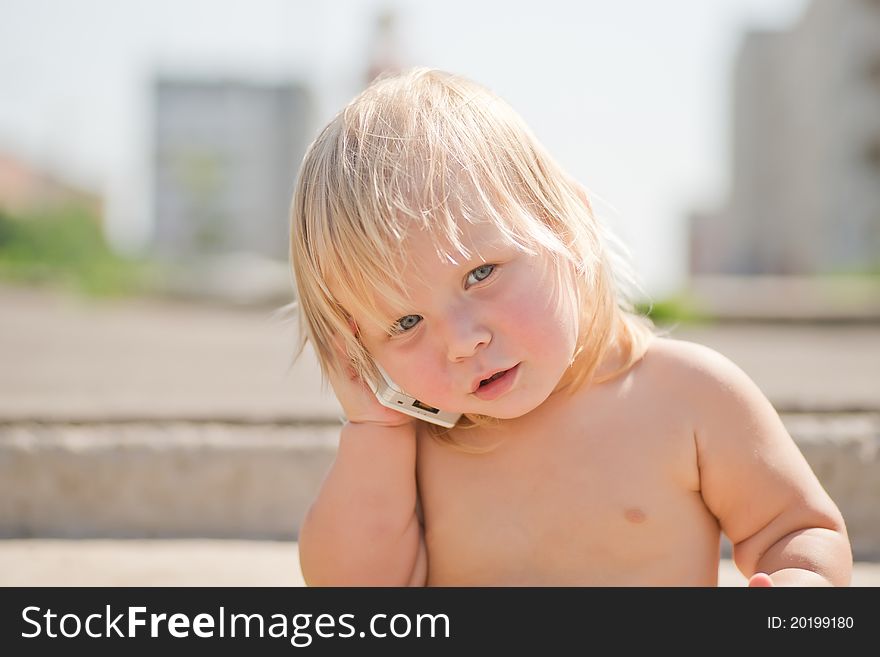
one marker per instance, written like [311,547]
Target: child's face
[499,310]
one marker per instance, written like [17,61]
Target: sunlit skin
[628,482]
[467,320]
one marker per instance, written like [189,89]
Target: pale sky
[631,96]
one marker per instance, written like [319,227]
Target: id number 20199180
[810,623]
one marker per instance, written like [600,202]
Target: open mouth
[492,378]
[496,385]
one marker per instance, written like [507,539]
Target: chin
[513,409]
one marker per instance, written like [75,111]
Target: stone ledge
[839,298]
[212,480]
[159,480]
[844,452]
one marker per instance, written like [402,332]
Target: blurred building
[226,156]
[805,194]
[384,54]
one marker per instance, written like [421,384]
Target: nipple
[635,516]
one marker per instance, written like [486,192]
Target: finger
[760,580]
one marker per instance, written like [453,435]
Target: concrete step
[838,298]
[133,480]
[64,359]
[255,481]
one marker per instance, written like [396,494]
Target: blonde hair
[426,149]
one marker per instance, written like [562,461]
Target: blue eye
[408,322]
[405,323]
[480,274]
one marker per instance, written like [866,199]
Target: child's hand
[358,401]
[760,579]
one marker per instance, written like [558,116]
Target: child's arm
[362,529]
[758,484]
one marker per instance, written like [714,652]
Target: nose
[465,335]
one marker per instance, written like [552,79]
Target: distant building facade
[805,193]
[384,55]
[226,156]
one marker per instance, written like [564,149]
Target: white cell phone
[391,395]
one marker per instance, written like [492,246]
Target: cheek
[540,319]
[546,334]
[420,375]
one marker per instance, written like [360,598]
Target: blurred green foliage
[65,248]
[674,309]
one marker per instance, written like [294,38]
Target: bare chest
[587,502]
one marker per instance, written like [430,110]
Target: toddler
[434,239]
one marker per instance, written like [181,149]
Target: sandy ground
[42,562]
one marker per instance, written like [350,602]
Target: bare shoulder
[715,390]
[694,370]
[683,358]
[753,477]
